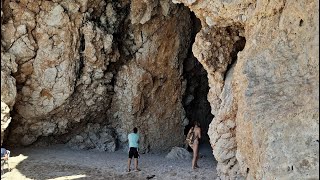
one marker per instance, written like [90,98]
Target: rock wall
[85,72]
[148,91]
[75,59]
[8,87]
[266,109]
[52,78]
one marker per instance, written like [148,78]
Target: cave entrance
[195,101]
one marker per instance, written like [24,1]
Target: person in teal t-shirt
[133,139]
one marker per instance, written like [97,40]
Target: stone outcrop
[266,109]
[77,59]
[62,67]
[8,83]
[95,137]
[179,153]
[148,91]
[5,119]
[8,87]
[85,72]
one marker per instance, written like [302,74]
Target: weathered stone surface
[5,118]
[148,91]
[8,83]
[94,137]
[66,81]
[76,59]
[179,153]
[52,76]
[68,65]
[8,88]
[273,107]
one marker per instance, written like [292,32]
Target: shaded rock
[179,153]
[94,137]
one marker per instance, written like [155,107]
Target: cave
[195,101]
[84,73]
[91,121]
[80,130]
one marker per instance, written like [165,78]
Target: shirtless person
[195,144]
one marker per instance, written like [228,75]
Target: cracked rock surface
[266,103]
[85,72]
[69,64]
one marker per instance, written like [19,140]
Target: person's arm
[5,157]
[128,143]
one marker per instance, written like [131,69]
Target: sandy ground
[59,162]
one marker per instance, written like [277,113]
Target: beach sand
[60,162]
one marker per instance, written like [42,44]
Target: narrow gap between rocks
[195,100]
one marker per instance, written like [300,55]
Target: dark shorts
[133,152]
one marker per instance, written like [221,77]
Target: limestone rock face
[48,75]
[8,88]
[62,62]
[5,118]
[86,72]
[148,91]
[8,83]
[266,109]
[77,59]
[55,70]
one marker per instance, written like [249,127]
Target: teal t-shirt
[133,140]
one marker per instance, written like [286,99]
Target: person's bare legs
[129,163]
[195,155]
[196,163]
[136,164]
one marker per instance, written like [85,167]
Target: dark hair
[135,130]
[197,123]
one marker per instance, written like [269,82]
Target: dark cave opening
[195,101]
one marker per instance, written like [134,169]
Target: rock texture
[148,90]
[5,119]
[8,87]
[179,153]
[55,72]
[266,109]
[95,137]
[77,59]
[85,72]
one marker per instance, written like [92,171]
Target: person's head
[196,124]
[135,130]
